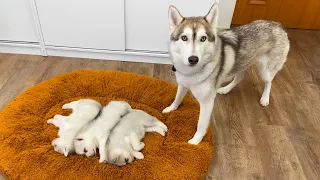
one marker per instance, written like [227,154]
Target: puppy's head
[85,146]
[120,157]
[62,146]
[192,39]
[121,106]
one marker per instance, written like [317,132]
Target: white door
[16,21]
[96,24]
[147,20]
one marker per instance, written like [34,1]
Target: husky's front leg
[181,92]
[206,109]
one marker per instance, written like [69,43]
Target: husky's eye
[203,39]
[184,38]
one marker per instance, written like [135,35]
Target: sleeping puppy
[83,111]
[124,142]
[96,133]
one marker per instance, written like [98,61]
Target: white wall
[147,21]
[16,21]
[96,24]
[130,30]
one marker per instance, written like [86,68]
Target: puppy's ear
[66,152]
[212,16]
[175,18]
[53,143]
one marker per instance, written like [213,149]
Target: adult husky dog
[204,58]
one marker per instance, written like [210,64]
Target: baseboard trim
[130,56]
[20,48]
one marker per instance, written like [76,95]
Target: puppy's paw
[161,124]
[165,128]
[168,109]
[142,145]
[223,90]
[104,161]
[138,155]
[50,121]
[66,106]
[162,132]
[58,116]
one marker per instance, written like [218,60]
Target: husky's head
[192,39]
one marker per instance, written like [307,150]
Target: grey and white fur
[96,133]
[125,143]
[83,111]
[205,57]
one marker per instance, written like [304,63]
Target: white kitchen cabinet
[128,30]
[147,21]
[94,24]
[16,21]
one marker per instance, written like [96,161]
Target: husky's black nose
[193,60]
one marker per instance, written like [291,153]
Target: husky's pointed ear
[212,16]
[175,17]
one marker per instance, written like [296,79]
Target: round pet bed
[25,137]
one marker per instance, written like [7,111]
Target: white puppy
[96,133]
[124,142]
[83,111]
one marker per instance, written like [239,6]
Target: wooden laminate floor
[277,142]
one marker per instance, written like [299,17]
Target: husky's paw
[194,141]
[223,90]
[168,109]
[264,101]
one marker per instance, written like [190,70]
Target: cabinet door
[96,24]
[16,21]
[147,21]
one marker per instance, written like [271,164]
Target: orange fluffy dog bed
[25,137]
